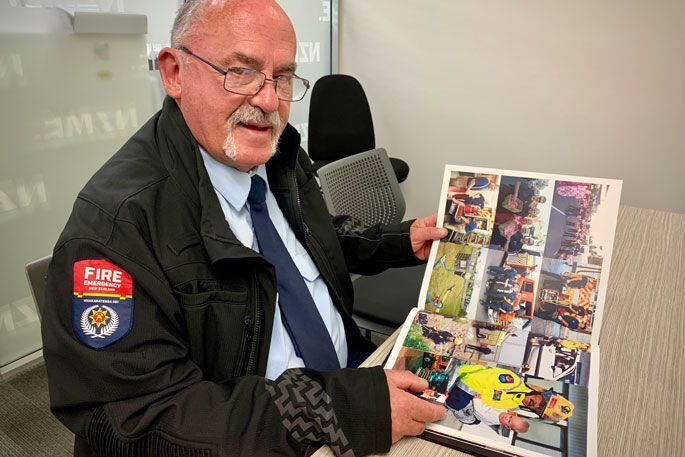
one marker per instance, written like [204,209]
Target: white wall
[585,87]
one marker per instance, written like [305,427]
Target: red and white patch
[102,306]
[99,277]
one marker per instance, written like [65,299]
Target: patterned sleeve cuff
[347,409]
[307,411]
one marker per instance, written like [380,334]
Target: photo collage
[505,328]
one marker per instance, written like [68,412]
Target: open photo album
[507,326]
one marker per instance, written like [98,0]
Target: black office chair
[340,123]
[37,275]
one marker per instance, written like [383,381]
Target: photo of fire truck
[568,299]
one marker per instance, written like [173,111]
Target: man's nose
[266,99]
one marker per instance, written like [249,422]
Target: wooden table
[642,374]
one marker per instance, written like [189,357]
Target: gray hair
[186,17]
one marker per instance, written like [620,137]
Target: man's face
[514,422]
[238,130]
[505,420]
[533,401]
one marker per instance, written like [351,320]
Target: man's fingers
[409,414]
[429,233]
[424,229]
[406,380]
[415,428]
[428,221]
[425,411]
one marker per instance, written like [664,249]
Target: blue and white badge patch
[102,308]
[506,378]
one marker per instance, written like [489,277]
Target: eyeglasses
[248,81]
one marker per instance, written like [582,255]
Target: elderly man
[199,297]
[483,393]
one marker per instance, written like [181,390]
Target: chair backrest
[363,186]
[37,275]
[340,123]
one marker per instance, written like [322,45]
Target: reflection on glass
[69,102]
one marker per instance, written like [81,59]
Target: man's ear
[170,69]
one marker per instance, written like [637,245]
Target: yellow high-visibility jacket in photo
[496,387]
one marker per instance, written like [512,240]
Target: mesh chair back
[363,186]
[37,275]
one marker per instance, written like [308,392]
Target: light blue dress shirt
[232,187]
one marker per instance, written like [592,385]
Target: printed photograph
[505,405]
[471,341]
[504,294]
[557,359]
[497,345]
[512,406]
[566,301]
[434,368]
[577,208]
[470,208]
[452,278]
[442,335]
[578,237]
[521,216]
[508,310]
[506,291]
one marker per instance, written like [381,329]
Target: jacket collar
[180,154]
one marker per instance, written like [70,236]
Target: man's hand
[409,413]
[422,233]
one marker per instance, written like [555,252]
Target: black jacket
[187,378]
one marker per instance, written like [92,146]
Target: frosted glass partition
[68,102]
[312,21]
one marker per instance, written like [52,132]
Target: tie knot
[257,193]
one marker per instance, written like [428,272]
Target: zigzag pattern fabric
[307,411]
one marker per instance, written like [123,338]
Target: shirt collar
[234,185]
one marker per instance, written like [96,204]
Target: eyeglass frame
[224,73]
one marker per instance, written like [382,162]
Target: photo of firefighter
[510,303]
[498,391]
[439,334]
[566,302]
[470,341]
[502,404]
[505,295]
[451,283]
[497,345]
[557,359]
[469,208]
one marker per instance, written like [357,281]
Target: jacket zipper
[255,334]
[252,334]
[247,324]
[311,242]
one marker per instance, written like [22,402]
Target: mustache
[248,113]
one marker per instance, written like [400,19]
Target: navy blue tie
[300,316]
